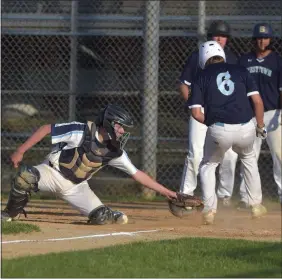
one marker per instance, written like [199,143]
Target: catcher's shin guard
[104,215]
[24,181]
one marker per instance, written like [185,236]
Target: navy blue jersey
[223,90]
[267,73]
[192,69]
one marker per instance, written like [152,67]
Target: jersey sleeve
[280,74]
[70,133]
[123,163]
[251,86]
[197,97]
[189,70]
[231,57]
[240,61]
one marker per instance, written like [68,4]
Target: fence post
[201,22]
[150,97]
[73,60]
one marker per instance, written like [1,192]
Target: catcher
[79,151]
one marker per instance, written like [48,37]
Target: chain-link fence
[64,60]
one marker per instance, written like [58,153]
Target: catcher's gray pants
[80,196]
[220,137]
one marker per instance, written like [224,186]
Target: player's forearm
[184,91]
[198,115]
[147,181]
[35,138]
[259,112]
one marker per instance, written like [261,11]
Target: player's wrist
[260,126]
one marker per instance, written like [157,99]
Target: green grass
[187,257]
[16,227]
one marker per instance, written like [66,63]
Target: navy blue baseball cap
[262,30]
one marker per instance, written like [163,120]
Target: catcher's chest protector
[78,164]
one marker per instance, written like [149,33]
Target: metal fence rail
[63,60]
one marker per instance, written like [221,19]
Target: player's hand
[16,158]
[170,195]
[261,132]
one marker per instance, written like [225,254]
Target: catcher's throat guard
[185,205]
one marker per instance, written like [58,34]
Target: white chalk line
[79,237]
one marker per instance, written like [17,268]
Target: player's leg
[216,144]
[25,180]
[81,197]
[227,176]
[243,204]
[243,145]
[37,178]
[274,128]
[197,134]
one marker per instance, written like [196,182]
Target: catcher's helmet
[262,30]
[112,114]
[208,50]
[219,28]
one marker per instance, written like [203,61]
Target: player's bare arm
[259,109]
[184,91]
[37,136]
[147,181]
[197,114]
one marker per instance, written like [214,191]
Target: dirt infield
[58,220]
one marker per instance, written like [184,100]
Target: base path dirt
[58,220]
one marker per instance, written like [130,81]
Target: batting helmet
[210,49]
[262,30]
[112,114]
[219,28]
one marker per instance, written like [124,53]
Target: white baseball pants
[197,135]
[272,120]
[79,196]
[218,140]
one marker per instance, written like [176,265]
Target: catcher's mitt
[185,204]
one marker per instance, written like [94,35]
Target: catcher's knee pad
[25,180]
[104,215]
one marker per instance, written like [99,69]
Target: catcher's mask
[111,115]
[263,30]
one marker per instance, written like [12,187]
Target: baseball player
[265,66]
[79,151]
[224,91]
[218,31]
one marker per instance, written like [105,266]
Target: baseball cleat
[225,202]
[119,217]
[6,218]
[208,217]
[258,211]
[242,206]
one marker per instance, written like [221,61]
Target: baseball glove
[185,204]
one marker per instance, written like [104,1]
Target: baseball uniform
[223,90]
[267,72]
[196,139]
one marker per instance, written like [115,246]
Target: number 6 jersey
[222,90]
